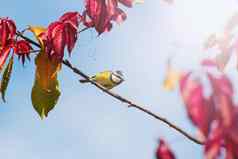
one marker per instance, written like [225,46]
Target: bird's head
[119,75]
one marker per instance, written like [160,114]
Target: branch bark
[124,100]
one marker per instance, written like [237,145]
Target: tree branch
[118,97]
[82,30]
[18,33]
[131,103]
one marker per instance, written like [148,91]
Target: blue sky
[87,123]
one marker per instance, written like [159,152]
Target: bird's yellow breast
[104,79]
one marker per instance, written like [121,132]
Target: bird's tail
[83,81]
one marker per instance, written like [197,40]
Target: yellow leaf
[171,79]
[37,31]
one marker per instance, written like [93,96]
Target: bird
[107,79]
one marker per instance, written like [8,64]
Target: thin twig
[120,98]
[27,39]
[130,103]
[82,30]
[34,51]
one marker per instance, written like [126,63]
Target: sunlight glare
[204,16]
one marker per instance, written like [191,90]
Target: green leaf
[43,100]
[6,78]
[45,92]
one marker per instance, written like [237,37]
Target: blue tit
[107,79]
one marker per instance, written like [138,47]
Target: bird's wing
[103,78]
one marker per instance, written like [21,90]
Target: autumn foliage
[163,151]
[208,93]
[53,40]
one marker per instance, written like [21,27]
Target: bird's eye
[116,79]
[119,73]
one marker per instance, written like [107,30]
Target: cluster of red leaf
[53,40]
[101,13]
[60,34]
[208,95]
[9,41]
[98,14]
[22,48]
[63,32]
[163,151]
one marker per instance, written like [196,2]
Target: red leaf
[199,107]
[163,151]
[22,48]
[55,40]
[4,33]
[222,97]
[231,150]
[72,18]
[58,39]
[119,16]
[60,34]
[101,13]
[214,111]
[209,63]
[111,5]
[52,29]
[12,28]
[7,31]
[3,56]
[214,143]
[127,3]
[70,37]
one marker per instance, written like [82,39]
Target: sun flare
[204,16]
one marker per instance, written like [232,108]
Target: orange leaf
[37,31]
